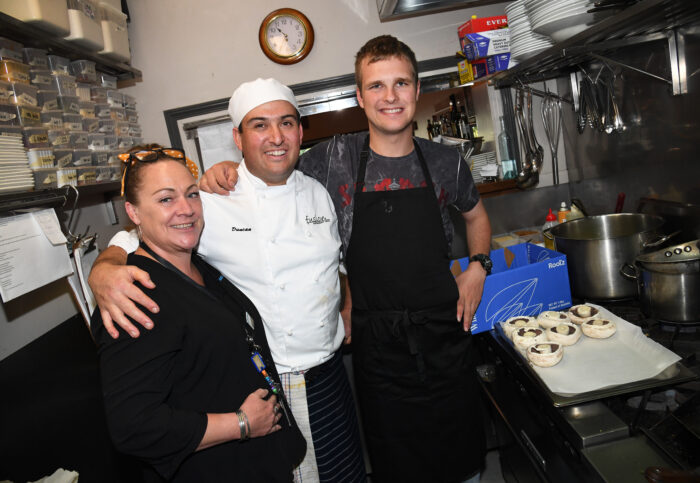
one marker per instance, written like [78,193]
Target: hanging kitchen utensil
[537,149]
[551,120]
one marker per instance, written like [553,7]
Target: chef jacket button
[289,332]
[308,233]
[273,241]
[282,286]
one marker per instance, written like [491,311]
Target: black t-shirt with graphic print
[334,163]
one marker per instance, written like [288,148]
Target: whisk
[551,120]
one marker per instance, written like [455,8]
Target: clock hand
[285,35]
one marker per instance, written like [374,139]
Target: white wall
[192,52]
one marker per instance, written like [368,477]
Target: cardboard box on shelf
[525,280]
[482,37]
[466,73]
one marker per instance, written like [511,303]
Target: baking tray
[673,375]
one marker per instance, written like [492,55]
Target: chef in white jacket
[276,238]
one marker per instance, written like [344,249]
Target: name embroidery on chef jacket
[236,228]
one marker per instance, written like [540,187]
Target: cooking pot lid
[684,252]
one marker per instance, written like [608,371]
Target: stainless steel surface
[598,246]
[668,282]
[646,21]
[398,9]
[675,374]
[594,423]
[625,460]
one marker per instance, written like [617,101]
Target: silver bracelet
[243,425]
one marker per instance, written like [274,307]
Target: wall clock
[286,36]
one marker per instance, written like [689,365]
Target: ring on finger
[276,408]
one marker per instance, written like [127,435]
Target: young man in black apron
[412,352]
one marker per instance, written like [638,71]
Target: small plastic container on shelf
[82,157]
[28,115]
[13,71]
[114,98]
[69,104]
[131,115]
[103,111]
[41,78]
[78,139]
[115,161]
[117,113]
[107,81]
[82,90]
[113,4]
[87,109]
[107,126]
[6,92]
[98,94]
[84,71]
[58,64]
[85,28]
[100,158]
[129,101]
[64,157]
[35,137]
[134,130]
[49,15]
[72,122]
[64,84]
[137,140]
[41,158]
[86,175]
[37,58]
[59,138]
[104,174]
[124,143]
[122,128]
[10,50]
[8,115]
[24,94]
[96,141]
[47,99]
[90,124]
[52,119]
[45,178]
[111,142]
[66,176]
[114,34]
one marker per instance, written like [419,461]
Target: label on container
[51,105]
[38,138]
[18,77]
[80,139]
[61,140]
[64,160]
[67,176]
[83,160]
[5,95]
[101,158]
[74,107]
[73,126]
[26,100]
[91,127]
[29,115]
[41,79]
[7,116]
[87,111]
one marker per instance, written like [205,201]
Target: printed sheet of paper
[216,144]
[28,259]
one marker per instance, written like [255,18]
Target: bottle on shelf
[563,212]
[508,165]
[550,221]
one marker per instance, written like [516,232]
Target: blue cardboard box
[526,279]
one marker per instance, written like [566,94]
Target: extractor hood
[396,9]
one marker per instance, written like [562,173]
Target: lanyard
[255,350]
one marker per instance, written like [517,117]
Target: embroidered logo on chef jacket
[316,220]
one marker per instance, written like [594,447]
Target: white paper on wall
[216,144]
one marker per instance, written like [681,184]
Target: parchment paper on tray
[592,364]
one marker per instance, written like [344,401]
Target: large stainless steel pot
[668,282]
[596,247]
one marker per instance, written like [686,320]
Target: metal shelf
[52,198]
[34,37]
[646,21]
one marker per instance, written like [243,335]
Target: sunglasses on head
[148,156]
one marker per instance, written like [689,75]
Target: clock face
[286,36]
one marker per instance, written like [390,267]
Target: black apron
[413,362]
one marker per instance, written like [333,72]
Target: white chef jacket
[280,246]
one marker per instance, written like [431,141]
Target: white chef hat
[250,95]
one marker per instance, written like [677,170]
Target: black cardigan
[157,388]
